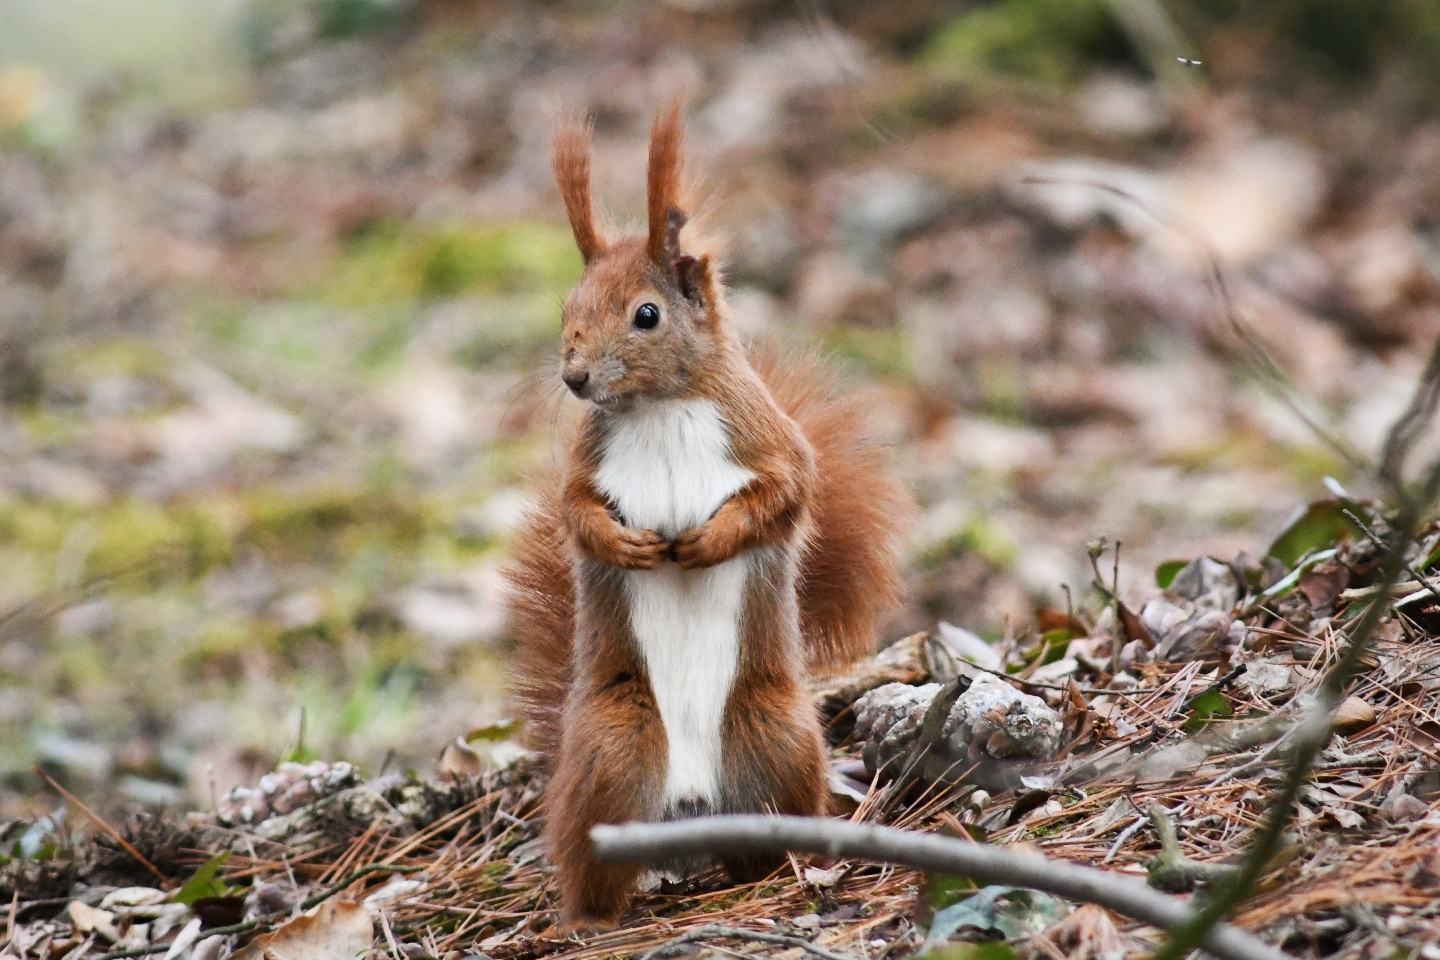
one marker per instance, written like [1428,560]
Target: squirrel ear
[572,173]
[695,278]
[663,188]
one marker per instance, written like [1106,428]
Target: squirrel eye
[647,315]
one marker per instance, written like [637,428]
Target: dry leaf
[184,939]
[1135,628]
[818,878]
[89,919]
[1087,934]
[460,760]
[1167,763]
[338,930]
[1352,716]
[1322,584]
[1264,677]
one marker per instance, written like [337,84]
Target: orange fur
[850,574]
[819,522]
[664,218]
[541,609]
[572,174]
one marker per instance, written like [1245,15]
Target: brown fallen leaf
[1352,716]
[338,930]
[1047,620]
[1087,934]
[460,760]
[1135,628]
[1322,584]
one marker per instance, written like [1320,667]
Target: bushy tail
[849,578]
[850,573]
[541,602]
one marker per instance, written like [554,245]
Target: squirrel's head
[646,313]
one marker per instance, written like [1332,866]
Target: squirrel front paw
[632,549]
[704,546]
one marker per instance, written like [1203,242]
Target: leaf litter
[452,865]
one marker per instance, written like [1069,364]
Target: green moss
[881,352]
[1309,465]
[38,527]
[1049,41]
[324,523]
[351,18]
[977,536]
[1001,386]
[515,331]
[223,644]
[86,360]
[130,537]
[391,263]
[137,536]
[51,429]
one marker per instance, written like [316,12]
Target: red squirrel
[721,530]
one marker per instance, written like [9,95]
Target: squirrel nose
[576,380]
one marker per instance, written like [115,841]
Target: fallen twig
[981,862]
[1174,872]
[109,831]
[714,931]
[1370,535]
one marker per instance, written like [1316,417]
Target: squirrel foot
[584,927]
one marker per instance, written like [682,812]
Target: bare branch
[648,842]
[1404,432]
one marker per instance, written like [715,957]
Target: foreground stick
[639,842]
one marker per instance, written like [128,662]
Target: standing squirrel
[721,530]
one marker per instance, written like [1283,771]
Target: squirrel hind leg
[610,769]
[594,900]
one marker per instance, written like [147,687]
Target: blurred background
[280,285]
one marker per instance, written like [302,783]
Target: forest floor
[276,359]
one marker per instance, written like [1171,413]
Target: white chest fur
[668,468]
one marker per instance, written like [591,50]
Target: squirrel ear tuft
[572,173]
[663,187]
